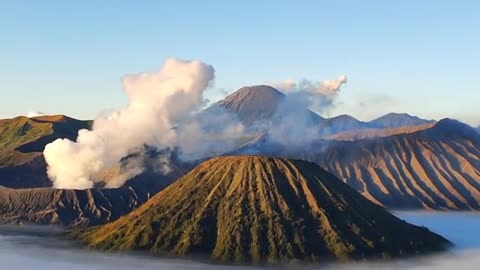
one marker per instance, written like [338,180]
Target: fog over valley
[39,248]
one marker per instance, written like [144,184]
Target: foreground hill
[260,209]
[437,168]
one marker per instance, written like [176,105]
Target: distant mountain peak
[396,120]
[257,103]
[253,103]
[448,126]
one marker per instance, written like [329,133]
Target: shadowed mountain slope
[436,168]
[30,174]
[68,207]
[81,207]
[260,209]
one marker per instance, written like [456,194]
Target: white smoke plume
[160,113]
[319,96]
[34,114]
[298,126]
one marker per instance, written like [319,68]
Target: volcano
[259,209]
[259,103]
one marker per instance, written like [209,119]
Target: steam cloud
[34,114]
[298,127]
[319,96]
[160,113]
[165,111]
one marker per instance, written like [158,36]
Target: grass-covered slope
[22,141]
[259,209]
[21,130]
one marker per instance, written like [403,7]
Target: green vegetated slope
[22,141]
[22,138]
[260,209]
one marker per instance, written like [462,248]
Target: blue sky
[420,57]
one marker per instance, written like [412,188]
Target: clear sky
[420,57]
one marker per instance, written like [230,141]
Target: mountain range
[256,104]
[286,202]
[397,161]
[434,168]
[258,209]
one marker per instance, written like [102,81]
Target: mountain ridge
[436,168]
[396,120]
[260,102]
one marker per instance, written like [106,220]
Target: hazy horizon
[22,250]
[409,56]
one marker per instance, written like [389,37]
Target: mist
[294,124]
[317,96]
[40,248]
